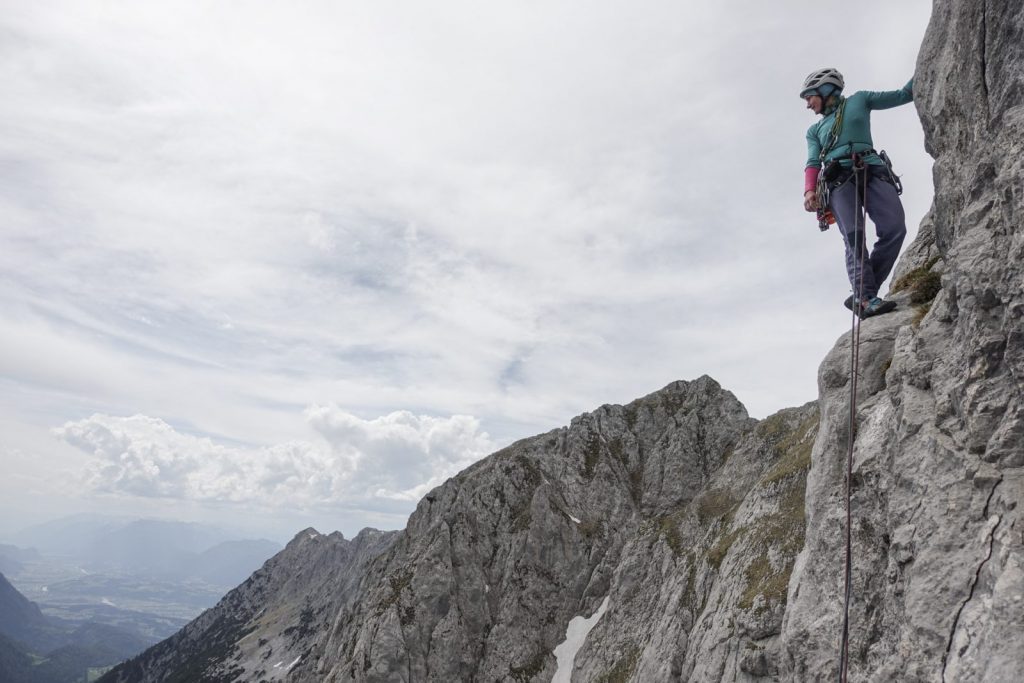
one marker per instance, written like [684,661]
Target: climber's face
[814,103]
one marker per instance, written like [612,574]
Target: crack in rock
[974,582]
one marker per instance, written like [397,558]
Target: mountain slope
[651,504]
[280,601]
[35,648]
[20,618]
[716,542]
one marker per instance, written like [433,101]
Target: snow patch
[296,661]
[575,634]
[313,535]
[573,518]
[279,665]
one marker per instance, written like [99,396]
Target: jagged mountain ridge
[494,563]
[721,557]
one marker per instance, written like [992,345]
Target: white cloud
[319,234]
[391,460]
[401,455]
[220,213]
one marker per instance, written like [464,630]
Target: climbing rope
[860,250]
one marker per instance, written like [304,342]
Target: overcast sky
[281,264]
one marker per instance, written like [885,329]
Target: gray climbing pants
[886,212]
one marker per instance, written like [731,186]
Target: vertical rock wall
[938,579]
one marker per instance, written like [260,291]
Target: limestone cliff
[681,510]
[939,572]
[712,542]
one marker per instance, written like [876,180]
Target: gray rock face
[680,509]
[260,629]
[938,584]
[718,540]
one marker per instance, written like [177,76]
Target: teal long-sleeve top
[856,126]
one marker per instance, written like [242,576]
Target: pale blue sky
[229,229]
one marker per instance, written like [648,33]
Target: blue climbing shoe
[872,307]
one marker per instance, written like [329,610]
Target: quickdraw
[893,178]
[821,188]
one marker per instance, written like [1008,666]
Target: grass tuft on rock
[668,528]
[720,549]
[623,669]
[923,283]
[715,504]
[795,451]
[399,581]
[764,580]
[919,313]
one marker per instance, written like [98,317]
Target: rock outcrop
[715,542]
[653,505]
[938,580]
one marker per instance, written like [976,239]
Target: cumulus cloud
[221,213]
[391,460]
[400,455]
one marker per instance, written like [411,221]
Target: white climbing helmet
[819,78]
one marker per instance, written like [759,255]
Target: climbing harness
[860,176]
[834,175]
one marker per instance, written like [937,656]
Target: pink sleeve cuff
[810,177]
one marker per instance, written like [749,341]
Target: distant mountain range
[12,558]
[20,618]
[107,588]
[160,549]
[35,648]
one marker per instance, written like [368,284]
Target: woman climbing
[855,179]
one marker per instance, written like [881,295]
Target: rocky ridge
[716,539]
[654,505]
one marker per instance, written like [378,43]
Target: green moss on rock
[715,504]
[397,582]
[764,580]
[923,283]
[668,528]
[624,667]
[794,448]
[721,547]
[919,313]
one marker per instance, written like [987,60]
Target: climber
[841,142]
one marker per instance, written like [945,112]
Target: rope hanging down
[860,224]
